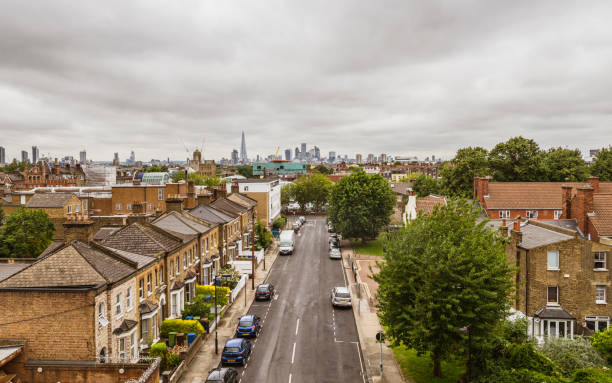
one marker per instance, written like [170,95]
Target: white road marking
[360,362]
[289,378]
[293,353]
[297,326]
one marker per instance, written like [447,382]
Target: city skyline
[501,70]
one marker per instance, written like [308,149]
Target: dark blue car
[236,351]
[248,325]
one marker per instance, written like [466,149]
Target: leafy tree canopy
[25,234]
[360,205]
[565,165]
[458,174]
[288,193]
[199,179]
[518,159]
[424,186]
[156,169]
[442,272]
[324,169]
[245,171]
[14,166]
[602,165]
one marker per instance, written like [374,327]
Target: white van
[287,239]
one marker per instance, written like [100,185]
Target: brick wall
[98,373]
[262,205]
[55,325]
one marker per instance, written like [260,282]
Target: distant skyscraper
[331,157]
[132,157]
[35,153]
[303,150]
[2,155]
[243,152]
[358,158]
[370,158]
[82,157]
[234,156]
[24,156]
[287,155]
[297,154]
[317,153]
[383,158]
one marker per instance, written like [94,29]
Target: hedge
[592,375]
[181,326]
[222,294]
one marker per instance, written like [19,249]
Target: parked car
[264,292]
[293,206]
[334,243]
[248,326]
[335,253]
[236,351]
[341,297]
[296,226]
[222,375]
[302,219]
[330,228]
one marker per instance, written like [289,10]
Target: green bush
[571,355]
[222,293]
[158,349]
[172,360]
[525,356]
[521,375]
[602,342]
[197,308]
[232,280]
[592,375]
[515,331]
[279,223]
[181,326]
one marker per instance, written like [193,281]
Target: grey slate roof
[229,207]
[140,260]
[242,199]
[49,200]
[8,269]
[104,232]
[140,239]
[553,312]
[535,236]
[181,224]
[210,214]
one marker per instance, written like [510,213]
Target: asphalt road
[303,339]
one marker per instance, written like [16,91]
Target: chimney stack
[594,182]
[503,229]
[566,201]
[582,206]
[78,228]
[517,235]
[174,204]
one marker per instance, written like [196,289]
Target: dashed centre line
[297,326]
[293,353]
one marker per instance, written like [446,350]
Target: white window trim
[597,318]
[552,303]
[548,263]
[531,214]
[605,261]
[558,214]
[599,301]
[119,304]
[69,209]
[118,206]
[129,299]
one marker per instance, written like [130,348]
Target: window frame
[149,284]
[604,261]
[119,305]
[599,291]
[558,214]
[128,298]
[118,206]
[531,214]
[548,265]
[549,302]
[69,209]
[596,319]
[141,288]
[160,194]
[121,348]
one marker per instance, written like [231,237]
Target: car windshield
[233,350]
[244,323]
[262,289]
[343,295]
[285,244]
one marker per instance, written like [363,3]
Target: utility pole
[380,337]
[216,323]
[252,252]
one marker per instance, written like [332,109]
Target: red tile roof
[602,220]
[427,204]
[532,195]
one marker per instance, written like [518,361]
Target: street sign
[380,336]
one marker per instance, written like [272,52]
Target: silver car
[334,253]
[341,297]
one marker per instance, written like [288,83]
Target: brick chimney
[174,204]
[594,182]
[582,205]
[517,235]
[56,167]
[191,195]
[503,229]
[139,208]
[78,227]
[204,199]
[235,187]
[481,188]
[566,201]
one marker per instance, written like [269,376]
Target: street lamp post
[216,323]
[380,337]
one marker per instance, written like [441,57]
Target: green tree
[26,233]
[565,165]
[1,216]
[458,174]
[156,169]
[360,205]
[245,171]
[442,272]
[198,179]
[518,159]
[424,186]
[312,188]
[602,165]
[324,169]
[287,194]
[13,166]
[263,237]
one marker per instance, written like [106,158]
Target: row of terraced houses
[92,303]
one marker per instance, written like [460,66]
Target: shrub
[222,293]
[515,331]
[571,355]
[158,349]
[592,375]
[197,308]
[522,375]
[602,342]
[233,277]
[279,223]
[525,356]
[181,326]
[173,360]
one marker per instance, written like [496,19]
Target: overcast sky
[401,77]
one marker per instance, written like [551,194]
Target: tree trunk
[437,368]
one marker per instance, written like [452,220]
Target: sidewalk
[206,359]
[367,322]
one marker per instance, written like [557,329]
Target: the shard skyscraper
[243,153]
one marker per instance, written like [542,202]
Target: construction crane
[276,154]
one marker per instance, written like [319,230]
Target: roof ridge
[151,237]
[88,262]
[161,231]
[107,251]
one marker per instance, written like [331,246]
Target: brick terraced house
[229,230]
[563,281]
